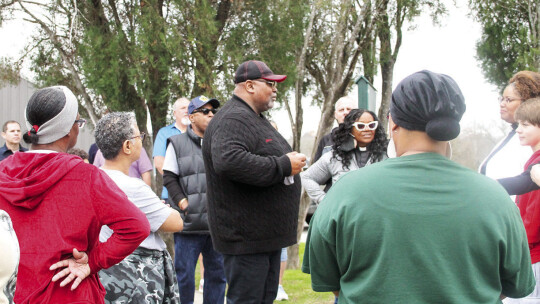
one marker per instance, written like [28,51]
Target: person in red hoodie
[58,204]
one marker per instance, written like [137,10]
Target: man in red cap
[253,186]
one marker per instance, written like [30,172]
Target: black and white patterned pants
[145,276]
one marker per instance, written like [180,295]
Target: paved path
[198,297]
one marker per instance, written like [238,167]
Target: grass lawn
[297,285]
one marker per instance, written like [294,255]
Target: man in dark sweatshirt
[253,186]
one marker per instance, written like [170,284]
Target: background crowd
[397,220]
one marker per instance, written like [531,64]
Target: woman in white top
[508,157]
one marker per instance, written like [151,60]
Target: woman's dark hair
[44,105]
[79,152]
[377,147]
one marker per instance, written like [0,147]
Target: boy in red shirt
[528,117]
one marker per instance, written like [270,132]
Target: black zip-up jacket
[250,208]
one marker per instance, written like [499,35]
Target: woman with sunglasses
[358,142]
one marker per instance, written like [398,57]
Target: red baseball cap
[254,69]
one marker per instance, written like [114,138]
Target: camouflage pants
[9,290]
[145,276]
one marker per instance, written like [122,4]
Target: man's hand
[183,204]
[298,161]
[77,269]
[535,174]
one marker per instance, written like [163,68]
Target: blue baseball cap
[200,101]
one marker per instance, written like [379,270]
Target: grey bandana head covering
[428,102]
[60,125]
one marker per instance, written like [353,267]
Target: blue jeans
[187,248]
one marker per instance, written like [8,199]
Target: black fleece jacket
[250,208]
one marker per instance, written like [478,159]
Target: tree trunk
[369,60]
[535,30]
[293,262]
[326,122]
[387,73]
[334,77]
[293,252]
[386,62]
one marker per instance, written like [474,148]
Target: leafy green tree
[141,55]
[510,39]
[280,26]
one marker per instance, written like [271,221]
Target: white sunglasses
[370,126]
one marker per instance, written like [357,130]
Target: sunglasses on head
[360,126]
[205,111]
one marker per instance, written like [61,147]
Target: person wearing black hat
[253,187]
[185,178]
[419,228]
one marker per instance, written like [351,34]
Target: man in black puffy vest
[185,179]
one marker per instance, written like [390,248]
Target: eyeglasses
[370,126]
[272,84]
[507,100]
[205,111]
[80,122]
[142,136]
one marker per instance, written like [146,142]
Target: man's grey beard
[185,121]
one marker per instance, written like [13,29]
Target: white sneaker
[281,294]
[201,285]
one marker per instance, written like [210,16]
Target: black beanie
[428,102]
